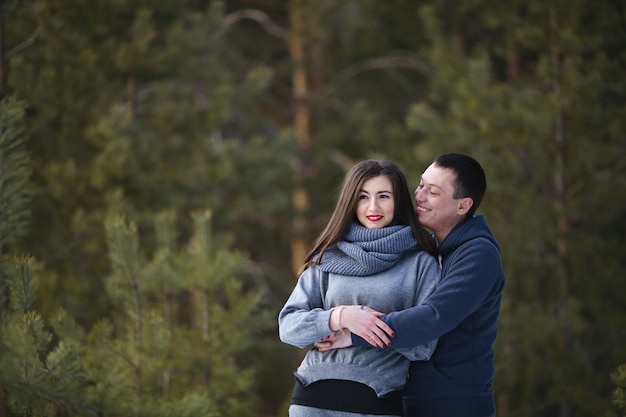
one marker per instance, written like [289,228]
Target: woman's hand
[364,322]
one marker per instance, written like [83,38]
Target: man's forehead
[438,176]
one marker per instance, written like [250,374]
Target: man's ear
[464,205]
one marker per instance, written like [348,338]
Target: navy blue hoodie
[462,312]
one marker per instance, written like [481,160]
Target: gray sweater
[305,319]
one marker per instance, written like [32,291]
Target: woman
[372,252]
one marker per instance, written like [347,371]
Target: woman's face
[376,203]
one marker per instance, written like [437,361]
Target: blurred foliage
[127,112]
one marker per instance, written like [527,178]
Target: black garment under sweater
[342,395]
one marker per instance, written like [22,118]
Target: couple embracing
[402,323]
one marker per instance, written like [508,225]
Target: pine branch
[14,173]
[260,17]
[23,45]
[39,392]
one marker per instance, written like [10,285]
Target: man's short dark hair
[470,177]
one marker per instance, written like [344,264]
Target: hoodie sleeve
[303,320]
[473,273]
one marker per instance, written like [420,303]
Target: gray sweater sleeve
[428,276]
[304,319]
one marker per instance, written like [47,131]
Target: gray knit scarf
[366,251]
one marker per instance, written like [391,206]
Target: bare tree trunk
[3,78]
[563,223]
[137,363]
[302,118]
[131,88]
[4,411]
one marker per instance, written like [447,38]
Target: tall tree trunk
[3,81]
[3,399]
[302,117]
[132,96]
[560,150]
[4,408]
[137,362]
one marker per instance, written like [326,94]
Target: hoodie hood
[465,231]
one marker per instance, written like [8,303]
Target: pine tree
[619,394]
[137,107]
[528,103]
[14,202]
[183,321]
[40,376]
[14,173]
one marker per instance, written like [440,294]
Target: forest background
[165,164]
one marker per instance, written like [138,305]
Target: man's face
[436,207]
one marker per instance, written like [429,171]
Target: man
[462,312]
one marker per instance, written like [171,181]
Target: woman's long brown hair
[345,209]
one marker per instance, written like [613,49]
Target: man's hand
[365,322]
[334,341]
[361,321]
